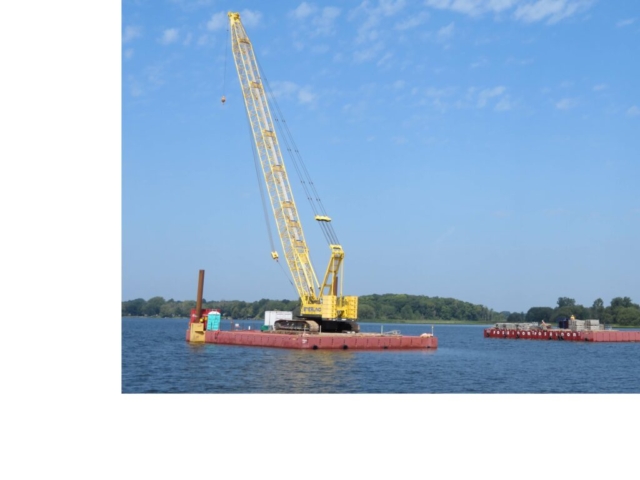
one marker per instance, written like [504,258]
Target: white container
[272,316]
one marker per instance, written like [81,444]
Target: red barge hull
[568,335]
[319,341]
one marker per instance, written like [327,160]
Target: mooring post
[199,297]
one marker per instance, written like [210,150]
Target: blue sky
[484,150]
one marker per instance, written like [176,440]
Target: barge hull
[320,341]
[567,335]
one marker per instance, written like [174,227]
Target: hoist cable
[301,170]
[258,168]
[224,74]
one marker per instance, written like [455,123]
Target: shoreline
[380,322]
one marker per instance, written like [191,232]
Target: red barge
[204,327]
[312,341]
[567,334]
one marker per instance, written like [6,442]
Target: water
[157,359]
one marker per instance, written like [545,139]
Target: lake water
[157,359]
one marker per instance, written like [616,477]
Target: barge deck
[311,341]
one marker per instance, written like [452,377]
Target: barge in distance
[571,330]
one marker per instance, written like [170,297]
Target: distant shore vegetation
[401,308]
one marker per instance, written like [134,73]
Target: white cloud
[291,90]
[488,93]
[398,84]
[128,54]
[626,22]
[218,21]
[633,111]
[312,21]
[305,96]
[472,7]
[324,23]
[437,97]
[551,10]
[527,11]
[445,33]
[131,32]
[504,104]
[481,62]
[136,89]
[303,11]
[519,61]
[385,59]
[372,17]
[322,19]
[599,88]
[390,7]
[284,89]
[155,73]
[320,48]
[412,21]
[368,53]
[566,104]
[250,18]
[187,40]
[192,4]
[169,36]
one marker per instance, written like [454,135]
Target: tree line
[392,307]
[237,309]
[621,311]
[370,307]
[420,307]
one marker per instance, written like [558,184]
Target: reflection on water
[156,358]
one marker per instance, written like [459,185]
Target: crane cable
[301,170]
[224,74]
[258,169]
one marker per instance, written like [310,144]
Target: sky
[483,150]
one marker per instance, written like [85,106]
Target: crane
[323,307]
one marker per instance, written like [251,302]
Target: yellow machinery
[322,307]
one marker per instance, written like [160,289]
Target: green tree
[387,312]
[134,308]
[169,309]
[621,302]
[152,308]
[566,302]
[516,317]
[597,309]
[565,311]
[538,314]
[406,312]
[184,308]
[366,312]
[627,316]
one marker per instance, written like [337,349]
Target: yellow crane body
[321,302]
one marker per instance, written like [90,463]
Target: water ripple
[157,359]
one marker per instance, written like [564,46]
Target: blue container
[213,321]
